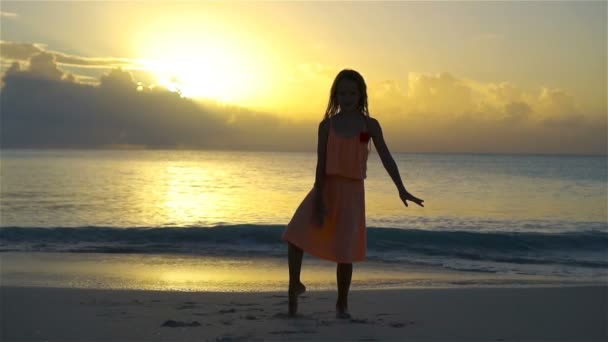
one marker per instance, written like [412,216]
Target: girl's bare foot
[342,311]
[294,292]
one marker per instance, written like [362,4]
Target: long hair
[347,74]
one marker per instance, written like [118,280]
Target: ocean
[212,220]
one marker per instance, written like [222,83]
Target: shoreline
[238,274]
[454,314]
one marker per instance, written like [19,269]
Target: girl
[330,221]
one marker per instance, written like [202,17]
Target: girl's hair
[347,74]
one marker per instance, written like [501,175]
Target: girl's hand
[406,196]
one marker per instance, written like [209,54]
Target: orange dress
[342,237]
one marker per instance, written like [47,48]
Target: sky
[444,77]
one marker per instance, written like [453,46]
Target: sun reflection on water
[187,196]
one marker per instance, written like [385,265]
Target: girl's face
[347,95]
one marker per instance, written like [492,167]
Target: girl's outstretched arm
[323,132]
[388,162]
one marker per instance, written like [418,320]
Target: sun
[205,73]
[212,66]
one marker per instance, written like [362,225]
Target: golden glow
[206,61]
[207,73]
[229,55]
[187,197]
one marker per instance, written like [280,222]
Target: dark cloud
[119,80]
[43,108]
[18,51]
[43,65]
[25,51]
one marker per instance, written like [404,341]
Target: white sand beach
[456,314]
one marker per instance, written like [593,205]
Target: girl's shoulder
[324,126]
[370,120]
[373,126]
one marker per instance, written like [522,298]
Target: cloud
[119,80]
[443,113]
[504,92]
[313,71]
[442,93]
[517,111]
[43,65]
[389,98]
[45,106]
[444,96]
[4,14]
[556,105]
[24,51]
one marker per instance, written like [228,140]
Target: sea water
[205,219]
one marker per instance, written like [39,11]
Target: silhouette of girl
[330,221]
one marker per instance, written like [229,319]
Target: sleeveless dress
[342,237]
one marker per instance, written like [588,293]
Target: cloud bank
[17,51]
[43,106]
[443,113]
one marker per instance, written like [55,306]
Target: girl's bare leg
[344,274]
[296,288]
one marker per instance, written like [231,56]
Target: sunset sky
[481,77]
